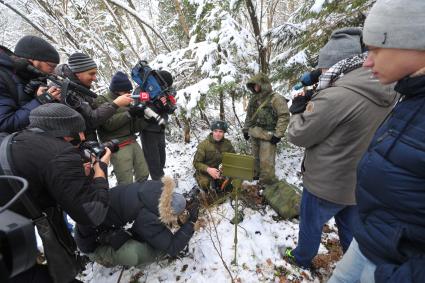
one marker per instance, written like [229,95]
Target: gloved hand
[194,210]
[246,136]
[299,103]
[275,140]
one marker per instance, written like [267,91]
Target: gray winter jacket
[336,129]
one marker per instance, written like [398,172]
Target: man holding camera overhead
[129,161]
[20,89]
[82,69]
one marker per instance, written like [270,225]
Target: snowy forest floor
[211,249]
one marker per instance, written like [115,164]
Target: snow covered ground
[258,237]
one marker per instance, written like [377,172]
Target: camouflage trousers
[203,180]
[131,253]
[129,161]
[264,153]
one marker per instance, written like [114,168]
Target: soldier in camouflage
[208,155]
[266,121]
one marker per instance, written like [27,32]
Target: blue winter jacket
[14,111]
[391,190]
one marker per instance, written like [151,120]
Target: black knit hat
[167,77]
[220,125]
[57,119]
[120,82]
[36,48]
[80,62]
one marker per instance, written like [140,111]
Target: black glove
[136,111]
[299,103]
[275,140]
[246,136]
[193,211]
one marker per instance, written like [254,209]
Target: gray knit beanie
[396,24]
[58,119]
[343,43]
[80,62]
[36,48]
[178,203]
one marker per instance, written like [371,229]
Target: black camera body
[93,148]
[192,195]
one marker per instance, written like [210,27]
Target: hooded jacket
[390,227]
[14,111]
[335,130]
[151,221]
[273,117]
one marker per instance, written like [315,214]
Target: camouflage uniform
[209,154]
[263,123]
[129,160]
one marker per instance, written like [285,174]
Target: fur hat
[57,119]
[171,204]
[396,24]
[344,43]
[36,48]
[218,124]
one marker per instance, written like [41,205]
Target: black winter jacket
[147,227]
[55,173]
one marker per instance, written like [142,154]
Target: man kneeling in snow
[151,238]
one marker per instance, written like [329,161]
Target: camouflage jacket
[273,116]
[121,125]
[209,153]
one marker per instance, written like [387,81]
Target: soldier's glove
[194,210]
[246,136]
[275,140]
[299,103]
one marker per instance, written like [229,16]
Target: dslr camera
[96,149]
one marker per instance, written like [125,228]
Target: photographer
[150,237]
[129,161]
[82,69]
[208,157]
[153,135]
[21,90]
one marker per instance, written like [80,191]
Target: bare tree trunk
[262,52]
[182,20]
[221,94]
[186,129]
[232,95]
[203,116]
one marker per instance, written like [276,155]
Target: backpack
[149,80]
[284,198]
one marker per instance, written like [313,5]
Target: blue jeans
[353,267]
[314,213]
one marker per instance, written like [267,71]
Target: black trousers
[153,144]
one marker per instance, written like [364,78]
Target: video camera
[71,92]
[18,245]
[96,149]
[308,79]
[154,96]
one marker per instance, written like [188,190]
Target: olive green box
[238,166]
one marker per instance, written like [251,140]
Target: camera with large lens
[192,195]
[93,148]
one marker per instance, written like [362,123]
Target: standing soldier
[266,122]
[129,161]
[208,156]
